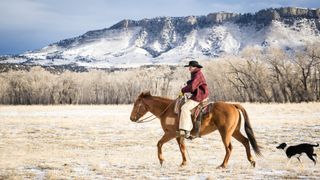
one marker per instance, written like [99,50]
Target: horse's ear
[147,93]
[144,94]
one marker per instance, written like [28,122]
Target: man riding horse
[197,86]
[221,116]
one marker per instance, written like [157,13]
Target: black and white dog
[296,151]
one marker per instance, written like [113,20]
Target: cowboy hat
[193,64]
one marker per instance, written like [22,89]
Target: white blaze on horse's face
[138,110]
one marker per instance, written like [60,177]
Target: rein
[144,120]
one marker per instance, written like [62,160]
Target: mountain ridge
[170,40]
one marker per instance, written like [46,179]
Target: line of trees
[269,75]
[38,86]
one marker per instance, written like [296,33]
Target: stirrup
[191,137]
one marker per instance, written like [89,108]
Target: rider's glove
[180,94]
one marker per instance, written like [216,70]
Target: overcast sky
[33,24]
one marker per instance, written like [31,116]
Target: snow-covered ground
[100,142]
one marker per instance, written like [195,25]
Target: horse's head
[139,107]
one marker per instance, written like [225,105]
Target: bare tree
[306,62]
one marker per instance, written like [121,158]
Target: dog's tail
[248,130]
[315,145]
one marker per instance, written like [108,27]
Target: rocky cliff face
[171,39]
[264,16]
[280,14]
[184,25]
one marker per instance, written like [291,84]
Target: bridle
[144,120]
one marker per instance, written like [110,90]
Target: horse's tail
[248,130]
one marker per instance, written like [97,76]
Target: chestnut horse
[223,117]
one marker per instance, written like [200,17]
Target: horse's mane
[166,99]
[147,95]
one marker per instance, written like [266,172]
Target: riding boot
[189,136]
[181,134]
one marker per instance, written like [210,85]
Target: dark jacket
[197,86]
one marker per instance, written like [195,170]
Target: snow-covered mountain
[172,40]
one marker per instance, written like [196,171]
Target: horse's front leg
[182,147]
[165,138]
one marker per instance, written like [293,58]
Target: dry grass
[99,142]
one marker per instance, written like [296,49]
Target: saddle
[197,113]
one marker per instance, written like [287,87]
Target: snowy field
[100,142]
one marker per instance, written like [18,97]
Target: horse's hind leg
[242,139]
[226,138]
[182,147]
[165,138]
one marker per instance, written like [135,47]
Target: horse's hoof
[221,167]
[253,163]
[161,162]
[183,164]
